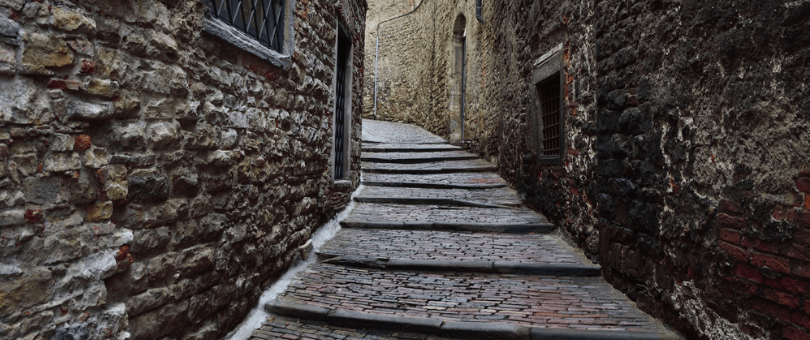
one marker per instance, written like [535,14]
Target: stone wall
[686,163]
[155,179]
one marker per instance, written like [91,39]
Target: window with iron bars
[263,20]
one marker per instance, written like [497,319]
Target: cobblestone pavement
[416,157]
[370,212]
[503,196]
[584,303]
[458,179]
[440,166]
[437,247]
[461,246]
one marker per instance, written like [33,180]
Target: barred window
[548,91]
[263,20]
[546,126]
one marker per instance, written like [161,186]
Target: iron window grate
[549,93]
[263,20]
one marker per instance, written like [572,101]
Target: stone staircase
[439,247]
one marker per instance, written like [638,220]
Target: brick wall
[155,179]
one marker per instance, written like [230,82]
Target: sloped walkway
[439,247]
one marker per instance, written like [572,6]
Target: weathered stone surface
[163,135]
[101,87]
[22,102]
[114,133]
[90,111]
[63,162]
[147,185]
[44,52]
[95,158]
[116,182]
[70,21]
[99,212]
[31,286]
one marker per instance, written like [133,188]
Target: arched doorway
[458,80]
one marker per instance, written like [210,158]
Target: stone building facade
[159,168]
[683,161]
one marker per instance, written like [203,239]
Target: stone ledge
[428,201]
[489,168]
[491,267]
[515,228]
[244,42]
[434,185]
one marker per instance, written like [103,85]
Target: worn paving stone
[395,213]
[502,196]
[459,246]
[409,147]
[438,165]
[415,157]
[376,131]
[280,327]
[458,179]
[552,302]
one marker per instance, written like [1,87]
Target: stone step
[283,327]
[425,245]
[440,167]
[461,180]
[412,147]
[416,157]
[384,194]
[512,306]
[453,218]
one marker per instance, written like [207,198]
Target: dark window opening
[548,91]
[343,57]
[263,20]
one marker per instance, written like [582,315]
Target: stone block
[12,217]
[63,162]
[70,21]
[44,191]
[95,158]
[8,61]
[158,108]
[130,135]
[102,87]
[116,182]
[23,102]
[82,46]
[163,135]
[185,181]
[33,286]
[13,4]
[126,104]
[148,185]
[99,212]
[61,142]
[85,189]
[82,110]
[26,164]
[44,52]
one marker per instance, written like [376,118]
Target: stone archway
[457,80]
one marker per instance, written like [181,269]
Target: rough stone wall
[154,179]
[686,167]
[414,62]
[703,162]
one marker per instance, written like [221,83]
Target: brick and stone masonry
[154,178]
[686,157]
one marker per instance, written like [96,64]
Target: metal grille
[261,19]
[549,93]
[340,104]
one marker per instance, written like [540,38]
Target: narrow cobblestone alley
[439,246]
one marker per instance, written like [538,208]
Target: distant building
[162,162]
[669,139]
